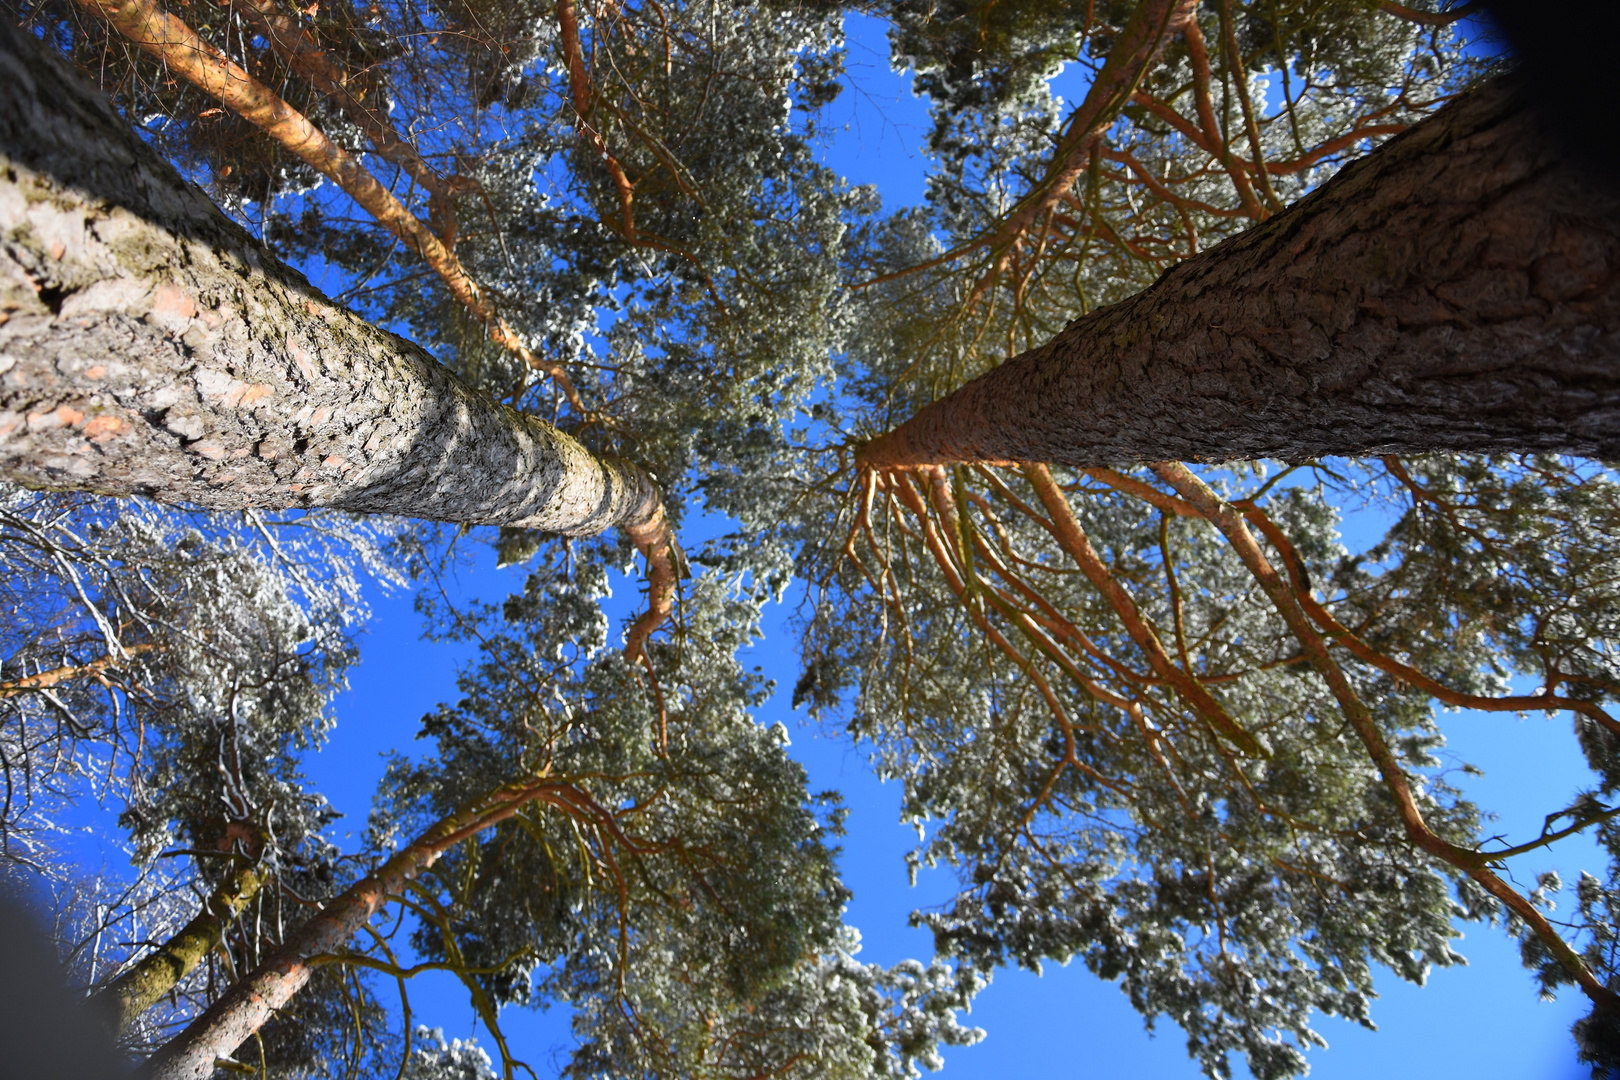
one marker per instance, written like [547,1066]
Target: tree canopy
[1169,719]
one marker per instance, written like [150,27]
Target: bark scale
[1456,289]
[150,346]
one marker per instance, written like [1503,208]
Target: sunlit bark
[252,1000]
[149,346]
[145,983]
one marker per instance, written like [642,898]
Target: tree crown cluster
[1173,721]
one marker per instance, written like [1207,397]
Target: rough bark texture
[182,52]
[150,346]
[1455,289]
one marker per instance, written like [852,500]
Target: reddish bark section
[1453,290]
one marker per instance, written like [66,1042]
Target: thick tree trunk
[150,346]
[1455,289]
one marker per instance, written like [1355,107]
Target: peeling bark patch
[301,358]
[104,427]
[172,304]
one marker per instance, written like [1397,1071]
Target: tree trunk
[1456,289]
[150,346]
[244,1008]
[143,985]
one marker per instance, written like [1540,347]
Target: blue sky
[1483,1020]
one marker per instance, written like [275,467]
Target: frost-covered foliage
[676,884]
[434,1059]
[1236,860]
[137,638]
[831,1016]
[1093,810]
[168,670]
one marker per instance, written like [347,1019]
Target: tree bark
[1456,289]
[150,346]
[143,985]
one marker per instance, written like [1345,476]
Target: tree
[172,667]
[1449,291]
[769,964]
[219,419]
[1154,747]
[1158,778]
[209,411]
[651,857]
[1120,695]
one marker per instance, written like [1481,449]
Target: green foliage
[1091,814]
[681,894]
[677,885]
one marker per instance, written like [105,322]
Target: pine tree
[749,902]
[1109,684]
[1169,726]
[1449,291]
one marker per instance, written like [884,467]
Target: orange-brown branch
[1216,139]
[913,501]
[656,542]
[579,83]
[44,680]
[1475,864]
[1333,146]
[1359,648]
[1239,74]
[1430,18]
[295,45]
[1140,44]
[1074,541]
